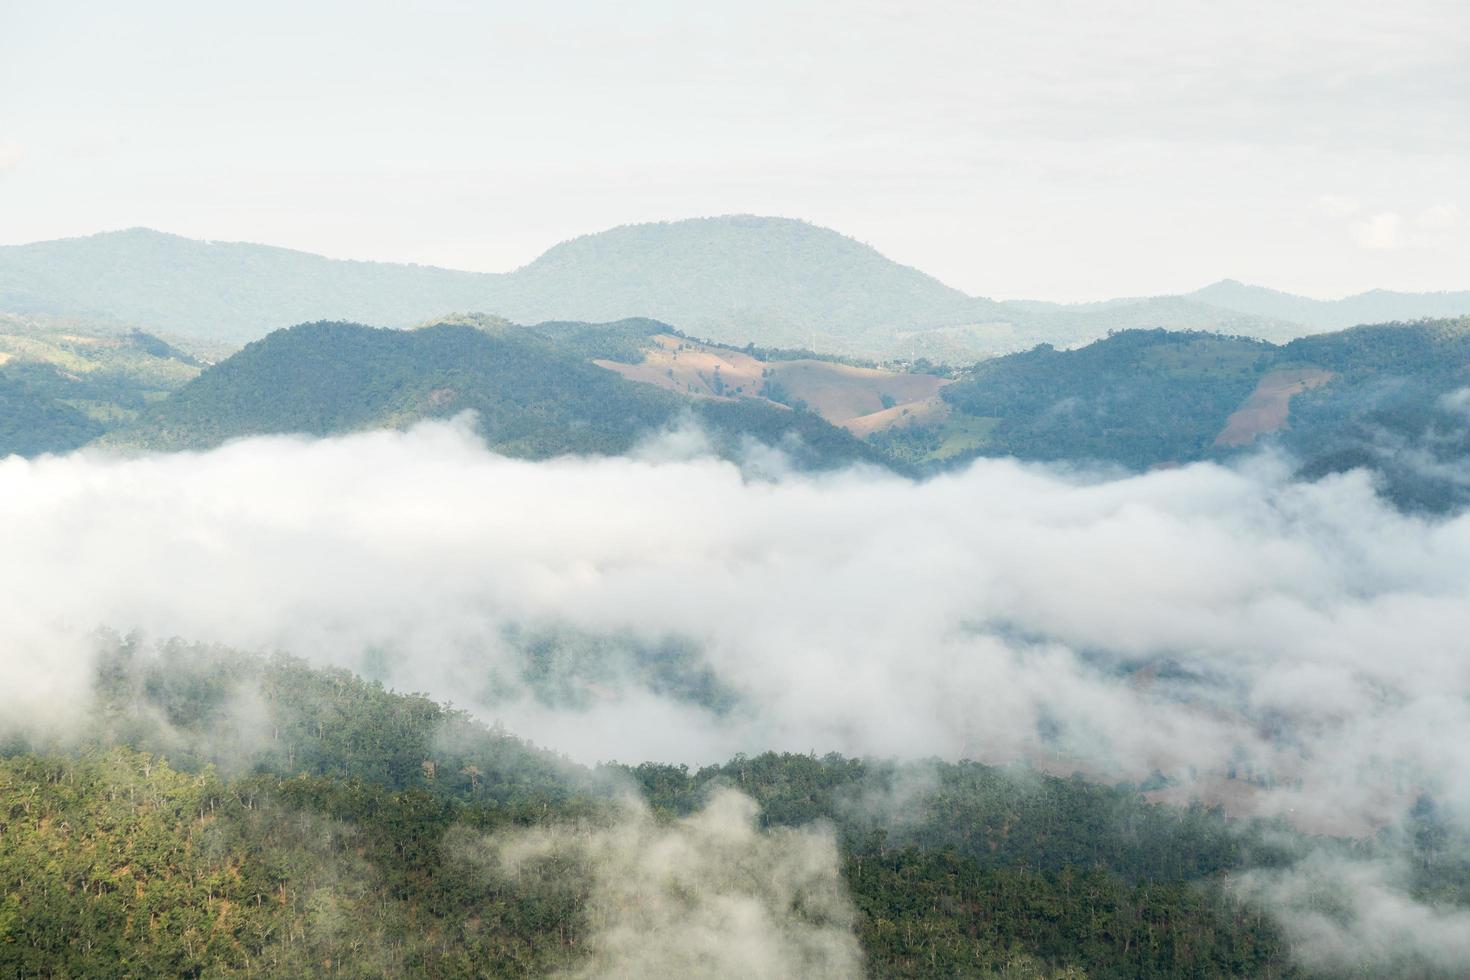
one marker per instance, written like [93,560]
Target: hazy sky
[1063,150]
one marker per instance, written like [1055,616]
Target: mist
[709,895]
[857,611]
[1286,649]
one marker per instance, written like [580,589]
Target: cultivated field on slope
[840,393]
[1267,408]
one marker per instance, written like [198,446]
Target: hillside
[350,829]
[534,390]
[735,279]
[65,382]
[841,393]
[1389,397]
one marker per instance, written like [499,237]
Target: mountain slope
[534,390]
[1392,398]
[345,829]
[64,383]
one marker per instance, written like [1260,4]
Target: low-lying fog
[1284,648]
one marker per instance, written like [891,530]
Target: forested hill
[1389,397]
[534,391]
[1137,399]
[332,828]
[63,382]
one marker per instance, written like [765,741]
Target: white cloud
[857,611]
[1338,206]
[1438,217]
[10,155]
[1379,231]
[706,896]
[1349,916]
[1309,635]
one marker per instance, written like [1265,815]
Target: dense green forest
[1388,400]
[64,383]
[1136,398]
[232,814]
[1146,398]
[533,390]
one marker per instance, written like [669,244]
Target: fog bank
[1282,648]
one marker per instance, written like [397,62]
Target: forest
[324,831]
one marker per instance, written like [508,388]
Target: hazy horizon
[1058,151]
[1001,297]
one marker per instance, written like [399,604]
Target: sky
[1056,150]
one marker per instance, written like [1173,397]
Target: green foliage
[1392,409]
[115,864]
[1137,398]
[533,390]
[34,420]
[1149,398]
[322,831]
[62,384]
[213,706]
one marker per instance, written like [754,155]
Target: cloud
[708,896]
[1438,217]
[1381,231]
[856,611]
[10,155]
[1338,206]
[1354,915]
[1289,648]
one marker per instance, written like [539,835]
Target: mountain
[1068,324]
[1388,397]
[1375,306]
[777,280]
[65,382]
[224,291]
[735,279]
[534,390]
[1392,398]
[340,828]
[740,278]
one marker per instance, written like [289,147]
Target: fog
[705,896]
[1198,618]
[1285,648]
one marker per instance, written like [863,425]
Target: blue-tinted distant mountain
[772,281]
[1375,306]
[736,279]
[227,291]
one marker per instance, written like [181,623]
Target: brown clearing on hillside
[1267,408]
[930,411]
[838,393]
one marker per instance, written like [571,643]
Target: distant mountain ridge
[735,279]
[1374,306]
